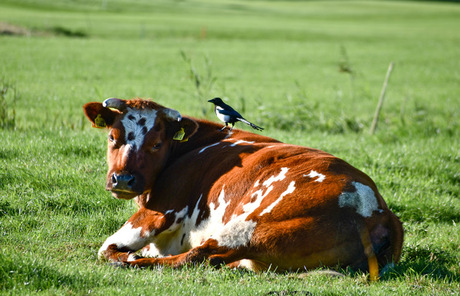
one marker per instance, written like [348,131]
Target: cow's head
[141,134]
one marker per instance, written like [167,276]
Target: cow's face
[141,134]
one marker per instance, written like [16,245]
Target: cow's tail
[369,251]
[382,243]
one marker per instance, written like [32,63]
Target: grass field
[309,71]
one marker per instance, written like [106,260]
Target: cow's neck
[208,133]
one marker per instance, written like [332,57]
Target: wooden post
[380,103]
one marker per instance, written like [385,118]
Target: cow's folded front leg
[114,254]
[209,252]
[172,261]
[119,246]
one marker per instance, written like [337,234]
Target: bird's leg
[223,127]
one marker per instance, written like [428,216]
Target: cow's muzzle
[124,186]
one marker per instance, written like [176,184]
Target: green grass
[281,63]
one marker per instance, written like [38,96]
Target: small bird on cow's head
[229,115]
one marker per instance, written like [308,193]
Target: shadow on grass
[61,31]
[425,262]
[32,276]
[421,213]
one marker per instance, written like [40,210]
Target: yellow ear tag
[99,121]
[179,136]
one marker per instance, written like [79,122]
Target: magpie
[228,115]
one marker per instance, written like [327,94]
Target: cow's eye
[111,138]
[156,146]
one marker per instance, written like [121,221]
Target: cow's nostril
[123,182]
[131,182]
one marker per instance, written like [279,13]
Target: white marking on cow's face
[125,237]
[241,142]
[315,174]
[363,200]
[125,150]
[209,146]
[289,190]
[136,124]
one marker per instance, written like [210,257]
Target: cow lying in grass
[236,198]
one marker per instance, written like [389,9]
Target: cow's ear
[100,116]
[186,128]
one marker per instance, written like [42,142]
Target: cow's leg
[209,252]
[131,237]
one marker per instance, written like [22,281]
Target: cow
[236,198]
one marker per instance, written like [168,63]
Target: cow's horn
[172,114]
[115,104]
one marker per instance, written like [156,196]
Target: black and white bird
[229,115]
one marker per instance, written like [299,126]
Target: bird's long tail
[250,124]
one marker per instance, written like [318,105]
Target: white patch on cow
[256,198]
[246,263]
[179,217]
[181,214]
[315,174]
[241,142]
[131,257]
[125,237]
[150,250]
[212,224]
[273,178]
[237,232]
[175,239]
[212,145]
[289,190]
[134,131]
[363,200]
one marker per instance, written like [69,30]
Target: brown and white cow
[236,198]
